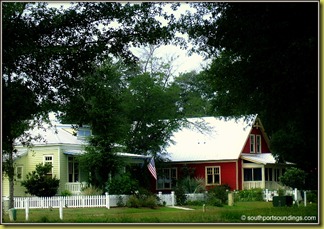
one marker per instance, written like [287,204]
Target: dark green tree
[294,178]
[265,62]
[194,98]
[153,112]
[46,52]
[39,183]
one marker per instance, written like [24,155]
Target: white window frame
[252,143]
[213,169]
[49,161]
[258,144]
[21,173]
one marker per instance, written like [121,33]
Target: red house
[222,151]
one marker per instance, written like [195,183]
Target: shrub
[122,184]
[150,202]
[120,201]
[255,194]
[66,193]
[181,197]
[38,183]
[294,178]
[145,199]
[133,202]
[219,192]
[311,196]
[89,191]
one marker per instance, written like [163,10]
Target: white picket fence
[81,201]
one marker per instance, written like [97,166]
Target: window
[167,178]
[83,133]
[73,169]
[276,174]
[258,143]
[268,174]
[19,173]
[252,143]
[252,174]
[49,159]
[213,175]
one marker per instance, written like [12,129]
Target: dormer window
[258,143]
[255,143]
[252,143]
[83,132]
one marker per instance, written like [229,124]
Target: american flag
[151,168]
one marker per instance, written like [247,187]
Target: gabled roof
[54,135]
[223,140]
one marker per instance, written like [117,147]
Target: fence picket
[80,201]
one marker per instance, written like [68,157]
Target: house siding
[264,144]
[29,161]
[228,174]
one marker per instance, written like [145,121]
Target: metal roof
[223,139]
[259,158]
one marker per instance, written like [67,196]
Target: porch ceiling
[261,158]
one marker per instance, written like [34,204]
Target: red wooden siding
[227,172]
[264,145]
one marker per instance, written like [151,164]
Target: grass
[241,212]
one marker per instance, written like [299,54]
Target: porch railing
[74,187]
[252,184]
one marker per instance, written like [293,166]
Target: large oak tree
[46,51]
[265,62]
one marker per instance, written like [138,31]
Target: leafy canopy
[265,61]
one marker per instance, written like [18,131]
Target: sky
[184,63]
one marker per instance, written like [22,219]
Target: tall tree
[265,62]
[194,99]
[46,52]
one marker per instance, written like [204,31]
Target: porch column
[263,176]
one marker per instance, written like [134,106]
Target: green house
[60,145]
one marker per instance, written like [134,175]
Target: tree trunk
[11,176]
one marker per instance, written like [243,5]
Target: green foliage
[100,160]
[218,195]
[255,194]
[133,202]
[120,201]
[312,196]
[38,183]
[253,65]
[180,194]
[294,178]
[122,184]
[193,185]
[153,111]
[48,51]
[142,200]
[66,193]
[89,191]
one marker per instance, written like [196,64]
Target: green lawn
[241,212]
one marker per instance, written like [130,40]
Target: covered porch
[76,179]
[261,171]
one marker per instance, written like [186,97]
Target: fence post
[172,198]
[160,197]
[107,200]
[296,196]
[305,198]
[27,208]
[61,208]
